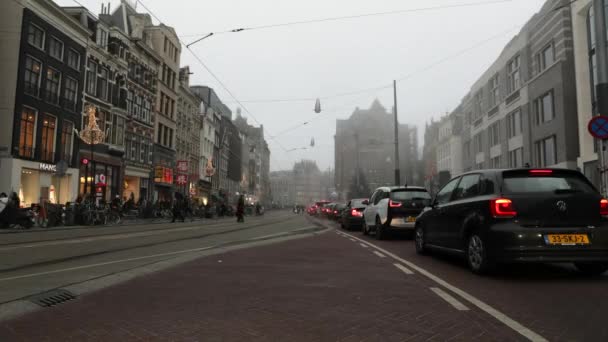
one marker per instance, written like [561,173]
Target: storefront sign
[181,179]
[100,180]
[163,175]
[182,166]
[48,167]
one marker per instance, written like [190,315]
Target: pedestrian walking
[178,207]
[240,209]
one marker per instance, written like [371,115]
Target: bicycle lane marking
[509,322]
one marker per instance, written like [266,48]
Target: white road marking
[353,240]
[404,269]
[453,301]
[511,323]
[379,254]
[363,245]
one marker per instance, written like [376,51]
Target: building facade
[365,142]
[43,74]
[449,144]
[283,188]
[189,127]
[522,110]
[588,25]
[166,44]
[128,43]
[307,182]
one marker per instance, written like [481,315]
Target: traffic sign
[598,127]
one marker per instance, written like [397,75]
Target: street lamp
[92,135]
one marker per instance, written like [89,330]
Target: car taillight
[394,204]
[356,213]
[335,211]
[604,207]
[541,172]
[502,207]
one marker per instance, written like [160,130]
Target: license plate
[567,239]
[411,219]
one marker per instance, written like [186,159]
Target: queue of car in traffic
[490,217]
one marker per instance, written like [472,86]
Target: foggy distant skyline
[324,59]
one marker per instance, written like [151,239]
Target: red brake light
[503,207]
[541,172]
[604,207]
[356,213]
[394,204]
[335,211]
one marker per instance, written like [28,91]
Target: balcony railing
[47,156]
[51,97]
[69,104]
[26,152]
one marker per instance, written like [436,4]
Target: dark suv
[518,215]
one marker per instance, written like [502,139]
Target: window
[145,112]
[514,124]
[35,36]
[135,148]
[73,59]
[102,84]
[69,93]
[467,188]
[444,195]
[479,102]
[166,43]
[142,151]
[495,163]
[67,140]
[137,107]
[117,131]
[545,58]
[494,134]
[27,132]
[32,76]
[102,37]
[56,48]
[170,144]
[546,152]
[92,78]
[544,108]
[516,158]
[48,138]
[521,183]
[478,143]
[160,134]
[53,80]
[513,76]
[494,92]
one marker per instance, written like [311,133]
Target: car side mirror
[365,202]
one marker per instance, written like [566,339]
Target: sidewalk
[324,288]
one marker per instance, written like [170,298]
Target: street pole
[601,84]
[357,160]
[397,171]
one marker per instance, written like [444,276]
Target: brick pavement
[323,288]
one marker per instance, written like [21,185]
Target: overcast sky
[335,57]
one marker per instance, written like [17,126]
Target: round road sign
[598,127]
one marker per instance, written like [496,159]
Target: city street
[323,287]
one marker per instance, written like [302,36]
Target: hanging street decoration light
[318,106]
[91,135]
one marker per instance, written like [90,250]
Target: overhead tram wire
[348,17]
[204,65]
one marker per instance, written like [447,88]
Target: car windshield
[540,184]
[405,195]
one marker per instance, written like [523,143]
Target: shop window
[47,152]
[27,132]
[29,190]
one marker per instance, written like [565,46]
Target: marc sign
[48,167]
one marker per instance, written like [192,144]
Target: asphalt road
[34,262]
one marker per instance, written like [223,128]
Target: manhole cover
[52,298]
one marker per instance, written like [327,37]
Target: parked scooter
[11,216]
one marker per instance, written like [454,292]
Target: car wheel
[380,230]
[591,268]
[477,255]
[419,240]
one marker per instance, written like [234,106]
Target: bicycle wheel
[113,218]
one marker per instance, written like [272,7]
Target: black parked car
[337,211]
[352,215]
[518,215]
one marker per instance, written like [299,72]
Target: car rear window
[404,195]
[357,203]
[525,183]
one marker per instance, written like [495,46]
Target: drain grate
[52,298]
